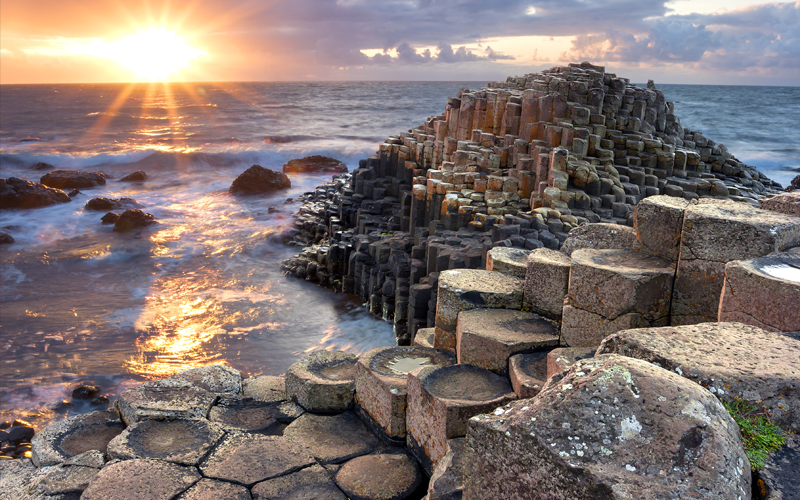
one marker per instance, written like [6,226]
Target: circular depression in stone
[180,441]
[343,370]
[620,260]
[90,437]
[782,267]
[398,361]
[467,383]
[534,365]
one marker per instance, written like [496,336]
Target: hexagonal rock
[657,221]
[488,337]
[322,381]
[381,377]
[250,458]
[184,442]
[65,480]
[73,436]
[508,260]
[424,337]
[157,400]
[440,402]
[599,236]
[546,282]
[464,289]
[447,479]
[384,476]
[763,292]
[528,373]
[562,358]
[310,483]
[212,378]
[610,427]
[730,359]
[140,479]
[716,232]
[265,388]
[785,203]
[210,489]
[332,439]
[612,290]
[238,414]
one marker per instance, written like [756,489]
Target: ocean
[82,304]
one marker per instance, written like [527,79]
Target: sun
[154,54]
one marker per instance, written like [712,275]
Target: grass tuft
[760,436]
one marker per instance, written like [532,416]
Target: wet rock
[133,219]
[385,476]
[153,400]
[528,373]
[562,358]
[110,218]
[68,179]
[311,483]
[19,433]
[219,379]
[315,164]
[730,359]
[447,479]
[332,439]
[546,282]
[778,479]
[42,166]
[111,204]
[210,489]
[322,381]
[85,392]
[381,377]
[251,458]
[259,180]
[73,436]
[512,261]
[599,236]
[265,388]
[6,239]
[610,427]
[658,221]
[137,176]
[73,193]
[488,337]
[238,414]
[440,402]
[18,193]
[184,442]
[140,479]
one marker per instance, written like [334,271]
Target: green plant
[760,436]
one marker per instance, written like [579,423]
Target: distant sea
[79,303]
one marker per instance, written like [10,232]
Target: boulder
[332,439]
[600,236]
[546,282]
[729,359]
[17,193]
[387,476]
[259,180]
[315,164]
[132,219]
[610,427]
[74,436]
[140,479]
[6,239]
[137,176]
[785,203]
[322,381]
[69,179]
[110,218]
[183,442]
[111,204]
[42,166]
[311,483]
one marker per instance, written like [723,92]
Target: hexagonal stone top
[160,400]
[238,414]
[394,363]
[140,479]
[465,384]
[332,439]
[212,378]
[622,261]
[75,435]
[338,366]
[311,483]
[781,266]
[472,283]
[265,388]
[183,442]
[508,260]
[388,476]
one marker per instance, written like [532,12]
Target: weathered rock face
[390,476]
[658,221]
[611,427]
[600,236]
[315,164]
[259,180]
[778,479]
[730,359]
[69,179]
[183,442]
[212,378]
[546,282]
[137,176]
[159,400]
[73,436]
[111,204]
[139,479]
[332,439]
[323,381]
[18,193]
[265,388]
[133,219]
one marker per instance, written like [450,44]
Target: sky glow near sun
[154,54]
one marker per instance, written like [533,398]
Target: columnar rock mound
[259,180]
[18,193]
[315,164]
[610,427]
[70,179]
[107,204]
[322,381]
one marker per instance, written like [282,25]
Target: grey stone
[546,282]
[265,388]
[61,479]
[599,236]
[184,442]
[73,436]
[164,401]
[313,483]
[140,479]
[210,489]
[212,378]
[237,414]
[512,261]
[332,439]
[322,381]
[385,476]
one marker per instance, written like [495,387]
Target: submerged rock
[111,203]
[259,180]
[132,219]
[137,176]
[18,193]
[315,164]
[110,218]
[6,239]
[42,166]
[67,179]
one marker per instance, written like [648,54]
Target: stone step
[528,373]
[508,260]
[546,282]
[601,236]
[322,381]
[657,223]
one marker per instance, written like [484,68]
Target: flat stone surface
[729,359]
[73,436]
[322,381]
[488,337]
[778,479]
[383,476]
[140,479]
[562,358]
[528,373]
[332,439]
[61,480]
[212,378]
[265,388]
[91,458]
[785,203]
[238,414]
[763,292]
[250,458]
[599,236]
[465,289]
[312,483]
[210,489]
[508,260]
[546,282]
[164,401]
[184,442]
[381,377]
[610,427]
[424,337]
[19,479]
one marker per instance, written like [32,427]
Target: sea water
[80,303]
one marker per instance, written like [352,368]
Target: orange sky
[681,41]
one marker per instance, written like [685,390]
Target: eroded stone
[212,378]
[210,489]
[308,484]
[332,439]
[528,373]
[265,388]
[164,401]
[73,436]
[237,414]
[184,442]
[562,358]
[322,381]
[599,236]
[385,476]
[657,221]
[508,260]
[140,479]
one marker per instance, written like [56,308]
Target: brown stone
[140,479]
[265,388]
[562,358]
[210,489]
[73,436]
[184,442]
[658,221]
[384,476]
[164,400]
[322,381]
[508,260]
[238,414]
[528,373]
[785,203]
[599,236]
[332,439]
[311,483]
[546,282]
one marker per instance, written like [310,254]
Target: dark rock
[111,204]
[795,184]
[447,482]
[315,164]
[6,239]
[85,392]
[259,180]
[74,193]
[779,478]
[42,166]
[132,219]
[19,434]
[137,176]
[17,193]
[140,479]
[67,179]
[110,218]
